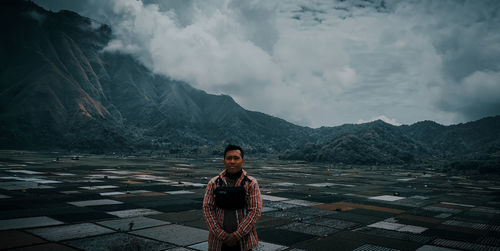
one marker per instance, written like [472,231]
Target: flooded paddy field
[52,201]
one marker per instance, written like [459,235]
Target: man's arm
[254,208]
[209,212]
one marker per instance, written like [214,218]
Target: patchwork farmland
[54,201]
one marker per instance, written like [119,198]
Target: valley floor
[52,201]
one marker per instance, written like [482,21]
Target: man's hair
[232,148]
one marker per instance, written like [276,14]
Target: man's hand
[231,239]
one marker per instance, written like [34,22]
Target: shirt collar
[223,173]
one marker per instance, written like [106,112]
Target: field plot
[49,201]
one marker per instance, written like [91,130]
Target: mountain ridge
[60,89]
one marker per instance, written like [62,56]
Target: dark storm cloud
[467,39]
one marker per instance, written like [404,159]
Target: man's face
[233,161]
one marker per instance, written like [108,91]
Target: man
[232,205]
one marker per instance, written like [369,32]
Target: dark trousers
[233,248]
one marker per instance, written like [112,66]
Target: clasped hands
[231,239]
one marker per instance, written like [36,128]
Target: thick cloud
[320,62]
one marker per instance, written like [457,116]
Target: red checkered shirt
[246,218]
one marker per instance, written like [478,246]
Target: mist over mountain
[60,90]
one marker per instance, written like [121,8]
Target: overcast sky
[319,63]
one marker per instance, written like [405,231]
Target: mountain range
[60,90]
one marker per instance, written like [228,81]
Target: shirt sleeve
[209,212]
[254,209]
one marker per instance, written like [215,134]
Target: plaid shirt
[246,218]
